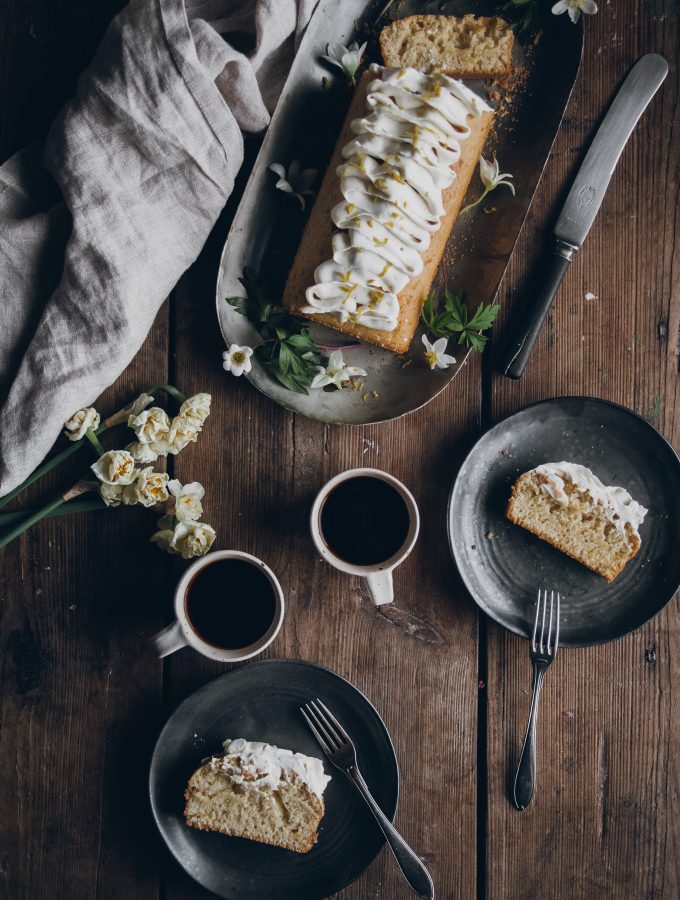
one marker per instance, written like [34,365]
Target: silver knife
[586,195]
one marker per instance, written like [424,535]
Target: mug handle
[380,586]
[169,639]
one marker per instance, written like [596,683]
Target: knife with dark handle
[585,197]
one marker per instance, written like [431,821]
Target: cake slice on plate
[260,792]
[567,505]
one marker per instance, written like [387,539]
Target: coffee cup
[365,522]
[228,606]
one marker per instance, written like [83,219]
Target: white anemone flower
[295,181]
[435,354]
[337,372]
[346,58]
[237,359]
[575,8]
[492,178]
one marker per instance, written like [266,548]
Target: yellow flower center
[431,358]
[238,358]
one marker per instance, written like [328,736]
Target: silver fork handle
[525,779]
[409,862]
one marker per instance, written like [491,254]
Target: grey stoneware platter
[503,565]
[260,701]
[268,224]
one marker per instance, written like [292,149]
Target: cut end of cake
[259,792]
[569,507]
[467,47]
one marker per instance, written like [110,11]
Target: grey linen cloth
[97,227]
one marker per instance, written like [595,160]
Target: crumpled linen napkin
[97,227]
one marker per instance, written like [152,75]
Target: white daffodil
[435,354]
[151,425]
[115,467]
[337,372]
[182,432]
[111,494]
[196,409]
[84,420]
[237,359]
[296,181]
[492,178]
[148,489]
[346,58]
[188,539]
[185,502]
[575,8]
[139,404]
[144,453]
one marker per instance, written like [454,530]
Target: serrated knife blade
[586,195]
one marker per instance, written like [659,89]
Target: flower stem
[31,520]
[66,509]
[46,467]
[476,202]
[92,438]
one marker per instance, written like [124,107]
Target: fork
[340,752]
[544,642]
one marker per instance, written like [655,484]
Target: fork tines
[325,727]
[546,641]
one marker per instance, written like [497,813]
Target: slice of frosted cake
[260,792]
[568,506]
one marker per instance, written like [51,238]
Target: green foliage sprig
[526,15]
[288,352]
[454,319]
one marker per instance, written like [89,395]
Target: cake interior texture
[287,816]
[581,528]
[461,47]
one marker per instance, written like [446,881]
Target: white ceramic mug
[181,632]
[378,577]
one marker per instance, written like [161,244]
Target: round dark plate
[503,565]
[261,702]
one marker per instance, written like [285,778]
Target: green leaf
[454,319]
[484,317]
[288,352]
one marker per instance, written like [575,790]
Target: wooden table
[83,698]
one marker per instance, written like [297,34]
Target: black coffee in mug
[230,603]
[364,520]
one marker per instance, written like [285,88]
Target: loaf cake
[467,47]
[260,792]
[566,505]
[391,194]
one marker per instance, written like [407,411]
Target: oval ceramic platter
[268,224]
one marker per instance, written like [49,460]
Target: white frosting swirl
[616,502]
[256,764]
[392,181]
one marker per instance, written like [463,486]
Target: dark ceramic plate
[261,702]
[503,565]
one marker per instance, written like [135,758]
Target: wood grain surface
[82,697]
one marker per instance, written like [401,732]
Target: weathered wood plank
[262,467]
[79,691]
[603,822]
